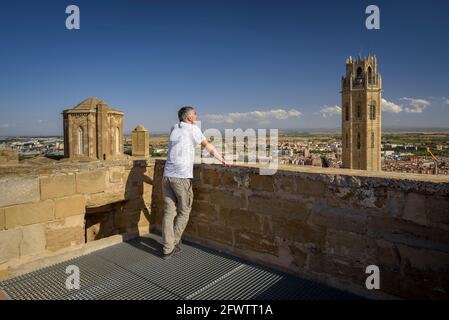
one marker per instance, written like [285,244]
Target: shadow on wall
[121,217]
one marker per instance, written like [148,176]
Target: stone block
[203,211]
[221,234]
[211,177]
[70,206]
[261,183]
[405,231]
[415,208]
[57,186]
[438,210]
[63,238]
[346,244]
[227,199]
[312,188]
[229,180]
[10,244]
[252,241]
[339,219]
[26,214]
[286,184]
[273,206]
[33,241]
[242,219]
[299,231]
[17,190]
[91,182]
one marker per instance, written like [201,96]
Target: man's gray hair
[184,112]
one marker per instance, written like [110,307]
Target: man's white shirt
[181,150]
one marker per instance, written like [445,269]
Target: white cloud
[40,121]
[447,101]
[4,125]
[413,105]
[330,111]
[389,106]
[261,117]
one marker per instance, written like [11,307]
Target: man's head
[187,114]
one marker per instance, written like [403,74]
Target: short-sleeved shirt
[181,150]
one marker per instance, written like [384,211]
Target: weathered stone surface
[298,231]
[415,208]
[10,244]
[57,186]
[226,199]
[386,227]
[262,183]
[299,256]
[116,176]
[438,210]
[17,190]
[286,184]
[25,214]
[312,188]
[103,198]
[242,219]
[203,211]
[2,219]
[33,241]
[245,239]
[273,206]
[346,244]
[70,206]
[211,177]
[91,182]
[229,180]
[341,219]
[65,237]
[216,233]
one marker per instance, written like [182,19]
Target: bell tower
[361,96]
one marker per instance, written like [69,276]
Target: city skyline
[240,64]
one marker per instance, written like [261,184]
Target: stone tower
[361,114]
[140,142]
[92,129]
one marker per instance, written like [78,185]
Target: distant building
[361,114]
[94,130]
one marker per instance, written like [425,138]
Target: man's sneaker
[175,250]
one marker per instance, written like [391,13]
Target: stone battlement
[327,224]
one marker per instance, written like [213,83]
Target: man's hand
[213,151]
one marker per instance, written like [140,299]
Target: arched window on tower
[358,140]
[370,75]
[117,140]
[80,141]
[347,112]
[359,111]
[372,110]
[359,72]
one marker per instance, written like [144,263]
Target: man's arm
[213,151]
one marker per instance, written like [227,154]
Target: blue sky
[284,59]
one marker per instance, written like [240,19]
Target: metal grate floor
[134,270]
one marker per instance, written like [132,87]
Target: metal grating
[134,270]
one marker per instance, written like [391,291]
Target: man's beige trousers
[178,198]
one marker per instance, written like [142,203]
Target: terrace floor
[135,270]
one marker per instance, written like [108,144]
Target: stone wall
[327,224]
[43,214]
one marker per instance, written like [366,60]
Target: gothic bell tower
[361,114]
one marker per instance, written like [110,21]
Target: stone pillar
[140,142]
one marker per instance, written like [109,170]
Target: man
[177,179]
